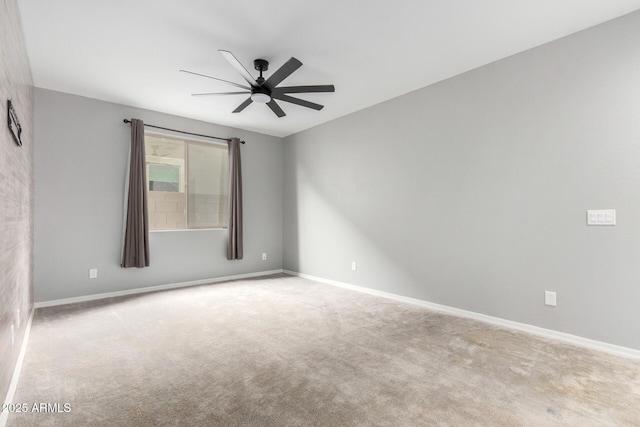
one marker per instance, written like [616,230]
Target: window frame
[184,181]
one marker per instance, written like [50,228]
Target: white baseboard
[546,333]
[4,415]
[153,289]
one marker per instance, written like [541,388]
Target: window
[186,183]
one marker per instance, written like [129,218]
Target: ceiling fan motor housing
[260,94]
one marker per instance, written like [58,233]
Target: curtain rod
[181,131]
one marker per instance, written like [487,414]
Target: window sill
[187,229]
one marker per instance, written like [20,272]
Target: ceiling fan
[267,91]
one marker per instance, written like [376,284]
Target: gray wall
[16,192]
[80,163]
[473,192]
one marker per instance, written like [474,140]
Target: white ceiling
[130,51]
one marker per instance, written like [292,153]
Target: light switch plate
[601,217]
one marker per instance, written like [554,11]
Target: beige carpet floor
[284,351]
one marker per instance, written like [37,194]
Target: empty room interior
[434,218]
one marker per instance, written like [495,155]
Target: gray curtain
[234,230]
[135,252]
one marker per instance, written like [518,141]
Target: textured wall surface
[80,159]
[16,192]
[473,192]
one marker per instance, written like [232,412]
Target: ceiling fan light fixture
[260,97]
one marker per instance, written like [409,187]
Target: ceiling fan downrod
[260,65]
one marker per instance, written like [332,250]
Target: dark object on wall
[14,124]
[266,91]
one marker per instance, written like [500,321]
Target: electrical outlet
[93,273]
[354,266]
[264,256]
[550,298]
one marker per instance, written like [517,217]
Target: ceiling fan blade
[276,108]
[220,93]
[242,106]
[305,89]
[282,73]
[239,67]
[215,78]
[302,102]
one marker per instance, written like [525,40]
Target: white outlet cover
[354,266]
[264,256]
[93,273]
[550,298]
